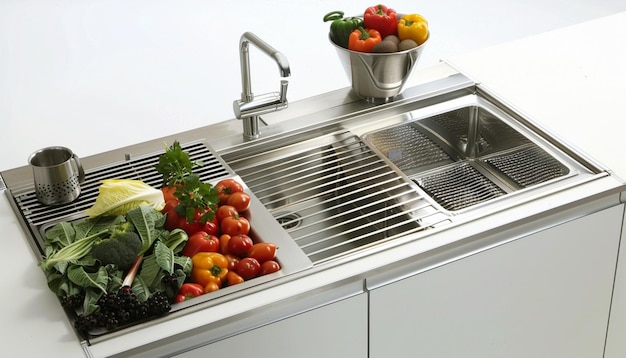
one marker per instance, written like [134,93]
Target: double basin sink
[390,173]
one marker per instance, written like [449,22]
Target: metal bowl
[378,77]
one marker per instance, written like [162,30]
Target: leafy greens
[71,270]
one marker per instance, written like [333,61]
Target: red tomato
[169,205]
[248,268]
[211,227]
[171,221]
[201,242]
[175,221]
[240,200]
[232,261]
[224,239]
[268,267]
[240,245]
[263,251]
[225,211]
[204,216]
[168,192]
[235,225]
[226,187]
[183,223]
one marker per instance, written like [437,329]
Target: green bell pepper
[341,28]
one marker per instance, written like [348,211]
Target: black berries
[117,309]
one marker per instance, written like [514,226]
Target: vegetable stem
[132,272]
[74,251]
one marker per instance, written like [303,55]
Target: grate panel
[408,148]
[337,197]
[459,186]
[528,166]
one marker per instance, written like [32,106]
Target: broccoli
[121,248]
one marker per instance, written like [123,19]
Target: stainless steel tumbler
[57,173]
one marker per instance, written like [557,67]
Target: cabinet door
[615,342]
[336,330]
[543,295]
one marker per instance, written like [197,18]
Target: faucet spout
[278,57]
[247,108]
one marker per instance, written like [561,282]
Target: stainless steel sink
[334,195]
[467,156]
[384,173]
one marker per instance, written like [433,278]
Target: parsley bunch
[193,194]
[175,164]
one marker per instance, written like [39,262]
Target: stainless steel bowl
[379,77]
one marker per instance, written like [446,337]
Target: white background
[97,75]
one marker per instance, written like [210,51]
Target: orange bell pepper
[363,40]
[209,270]
[233,278]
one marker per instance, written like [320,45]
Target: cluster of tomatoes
[234,256]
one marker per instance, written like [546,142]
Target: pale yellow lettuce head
[118,196]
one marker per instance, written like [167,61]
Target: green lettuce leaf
[145,220]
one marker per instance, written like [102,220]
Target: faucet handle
[283,91]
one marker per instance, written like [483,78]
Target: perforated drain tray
[37,216]
[467,156]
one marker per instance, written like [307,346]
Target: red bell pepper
[381,18]
[363,40]
[199,242]
[188,291]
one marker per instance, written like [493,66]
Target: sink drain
[288,220]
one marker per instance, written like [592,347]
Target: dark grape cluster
[73,301]
[122,307]
[158,304]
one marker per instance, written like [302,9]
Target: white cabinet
[338,329]
[615,342]
[543,295]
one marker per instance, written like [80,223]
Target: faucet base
[251,128]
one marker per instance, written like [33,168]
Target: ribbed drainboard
[336,197]
[142,168]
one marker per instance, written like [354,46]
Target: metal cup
[58,174]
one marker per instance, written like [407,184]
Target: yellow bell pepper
[209,270]
[413,27]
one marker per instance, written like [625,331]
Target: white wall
[100,74]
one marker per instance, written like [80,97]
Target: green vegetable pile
[120,249]
[86,263]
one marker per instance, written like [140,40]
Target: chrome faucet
[248,108]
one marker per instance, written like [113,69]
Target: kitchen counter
[556,83]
